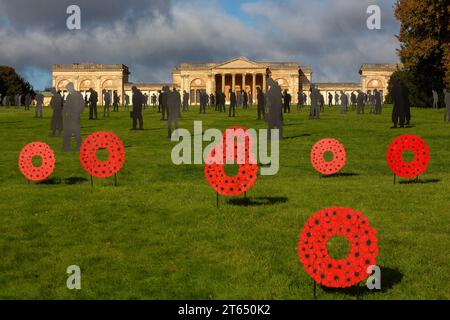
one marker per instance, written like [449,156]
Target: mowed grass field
[159,235]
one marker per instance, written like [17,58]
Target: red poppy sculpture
[328,167]
[26,166]
[88,154]
[313,252]
[248,168]
[395,159]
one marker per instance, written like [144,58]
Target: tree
[424,42]
[11,83]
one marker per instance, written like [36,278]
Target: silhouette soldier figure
[360,100]
[73,108]
[261,109]
[39,105]
[136,114]
[336,98]
[115,102]
[163,96]
[56,103]
[330,100]
[344,103]
[245,99]
[185,101]
[377,101]
[127,102]
[315,100]
[321,102]
[107,103]
[153,100]
[232,103]
[93,99]
[447,104]
[274,96]
[173,109]
[435,99]
[287,102]
[400,112]
[28,100]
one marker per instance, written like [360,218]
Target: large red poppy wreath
[328,167]
[88,154]
[26,166]
[247,172]
[395,159]
[313,253]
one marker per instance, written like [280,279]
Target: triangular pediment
[238,63]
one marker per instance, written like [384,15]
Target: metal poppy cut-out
[313,252]
[247,172]
[88,154]
[328,167]
[26,166]
[398,165]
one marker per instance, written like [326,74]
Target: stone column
[243,82]
[254,86]
[233,81]
[223,82]
[264,83]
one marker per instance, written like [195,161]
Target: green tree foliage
[424,46]
[11,83]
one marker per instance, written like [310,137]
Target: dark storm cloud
[50,15]
[330,35]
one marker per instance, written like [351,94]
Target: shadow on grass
[298,136]
[69,181]
[389,278]
[424,181]
[341,174]
[259,201]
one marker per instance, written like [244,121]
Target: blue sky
[153,36]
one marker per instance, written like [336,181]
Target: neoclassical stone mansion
[239,73]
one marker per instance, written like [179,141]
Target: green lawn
[159,235]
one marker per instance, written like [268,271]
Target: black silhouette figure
[287,102]
[330,99]
[173,108]
[39,105]
[73,107]
[93,100]
[127,102]
[261,104]
[107,103]
[360,100]
[377,101]
[203,101]
[447,104]
[159,101]
[400,112]
[164,96]
[274,98]
[115,102]
[344,102]
[145,105]
[136,114]
[232,103]
[27,102]
[153,101]
[245,98]
[315,103]
[353,100]
[56,103]
[185,101]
